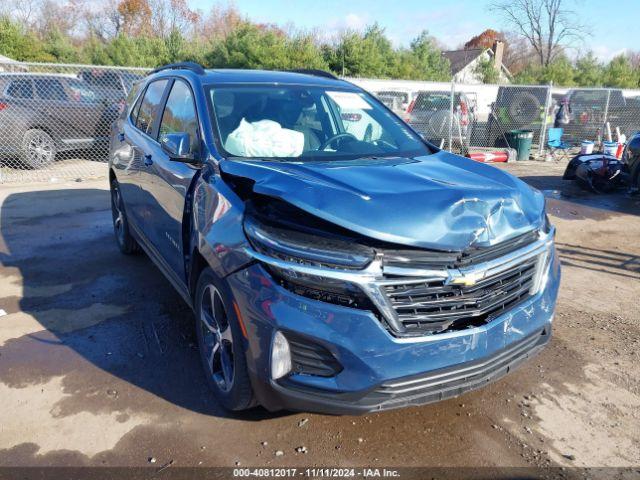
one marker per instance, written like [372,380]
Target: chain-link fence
[55,120]
[467,118]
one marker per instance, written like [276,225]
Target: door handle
[148,160]
[121,137]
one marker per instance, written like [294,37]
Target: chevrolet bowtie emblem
[467,279]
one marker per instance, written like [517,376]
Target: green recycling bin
[521,141]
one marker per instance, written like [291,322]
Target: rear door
[170,180]
[93,114]
[56,113]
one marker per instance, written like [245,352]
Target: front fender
[217,225]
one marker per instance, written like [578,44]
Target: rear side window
[433,101]
[20,89]
[180,114]
[50,89]
[149,106]
[102,78]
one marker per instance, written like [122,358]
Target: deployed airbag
[264,138]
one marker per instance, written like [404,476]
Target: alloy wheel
[217,338]
[40,150]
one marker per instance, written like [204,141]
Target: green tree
[620,73]
[127,51]
[267,47]
[429,62]
[19,45]
[368,54]
[561,72]
[487,72]
[588,71]
[176,46]
[59,47]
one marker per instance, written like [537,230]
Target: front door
[170,180]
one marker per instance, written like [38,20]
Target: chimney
[498,54]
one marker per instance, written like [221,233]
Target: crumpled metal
[440,201]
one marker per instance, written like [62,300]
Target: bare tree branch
[547,25]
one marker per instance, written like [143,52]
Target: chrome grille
[431,306]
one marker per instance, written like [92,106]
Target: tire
[126,243]
[524,109]
[38,150]
[220,342]
[438,124]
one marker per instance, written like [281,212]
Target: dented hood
[441,201]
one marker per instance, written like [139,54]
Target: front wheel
[220,342]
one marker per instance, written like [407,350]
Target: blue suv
[335,261]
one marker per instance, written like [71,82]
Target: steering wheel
[336,137]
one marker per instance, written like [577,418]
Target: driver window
[179,115]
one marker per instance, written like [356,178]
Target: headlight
[300,247]
[312,250]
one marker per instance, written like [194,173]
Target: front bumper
[381,371]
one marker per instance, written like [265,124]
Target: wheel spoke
[226,334]
[215,348]
[217,338]
[227,366]
[209,321]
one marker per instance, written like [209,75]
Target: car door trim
[162,265]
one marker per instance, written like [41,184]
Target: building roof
[461,58]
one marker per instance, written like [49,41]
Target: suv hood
[441,201]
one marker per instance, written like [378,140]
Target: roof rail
[314,71]
[193,66]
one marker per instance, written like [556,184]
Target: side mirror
[178,146]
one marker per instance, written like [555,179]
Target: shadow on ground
[566,199]
[73,289]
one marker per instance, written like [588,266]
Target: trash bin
[521,141]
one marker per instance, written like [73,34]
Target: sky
[452,22]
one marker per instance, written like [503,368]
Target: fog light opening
[280,356]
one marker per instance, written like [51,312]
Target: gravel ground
[98,363]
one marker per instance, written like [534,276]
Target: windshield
[301,123]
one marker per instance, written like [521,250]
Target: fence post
[453,91]
[543,127]
[606,115]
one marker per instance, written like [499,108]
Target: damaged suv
[335,261]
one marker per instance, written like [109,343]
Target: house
[464,63]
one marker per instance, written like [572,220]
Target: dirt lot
[98,364]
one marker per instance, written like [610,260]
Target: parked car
[326,272]
[430,115]
[516,107]
[112,85]
[42,115]
[589,109]
[397,100]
